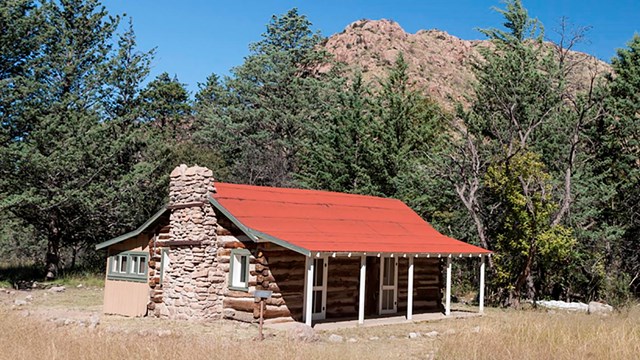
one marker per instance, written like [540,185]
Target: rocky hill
[439,63]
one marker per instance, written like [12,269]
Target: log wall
[427,284]
[342,287]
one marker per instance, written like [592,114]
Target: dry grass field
[36,330]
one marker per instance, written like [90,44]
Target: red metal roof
[336,222]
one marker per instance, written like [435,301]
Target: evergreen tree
[62,167]
[127,70]
[619,136]
[259,119]
[165,104]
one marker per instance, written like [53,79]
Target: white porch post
[410,290]
[363,273]
[308,291]
[447,304]
[481,296]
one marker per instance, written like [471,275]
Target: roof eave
[133,233]
[256,235]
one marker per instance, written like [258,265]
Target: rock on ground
[599,308]
[57,289]
[562,305]
[335,338]
[301,332]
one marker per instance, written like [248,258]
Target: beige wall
[126,297]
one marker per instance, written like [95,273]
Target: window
[239,269]
[129,266]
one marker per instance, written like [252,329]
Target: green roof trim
[133,233]
[255,235]
[283,243]
[233,219]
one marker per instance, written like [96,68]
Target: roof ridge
[324,192]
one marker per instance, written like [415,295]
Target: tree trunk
[52,259]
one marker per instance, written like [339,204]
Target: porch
[376,291]
[346,323]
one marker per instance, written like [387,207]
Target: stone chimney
[190,185]
[192,284]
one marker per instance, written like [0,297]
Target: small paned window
[239,269]
[129,266]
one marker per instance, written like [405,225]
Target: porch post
[447,306]
[481,296]
[363,272]
[308,291]
[410,290]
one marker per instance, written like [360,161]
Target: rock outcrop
[439,64]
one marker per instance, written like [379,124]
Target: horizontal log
[239,304]
[286,265]
[335,288]
[341,303]
[272,312]
[185,205]
[175,243]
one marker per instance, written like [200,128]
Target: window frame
[236,256]
[131,272]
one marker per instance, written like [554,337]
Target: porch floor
[333,324]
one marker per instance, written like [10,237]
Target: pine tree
[68,170]
[267,104]
[165,104]
[619,135]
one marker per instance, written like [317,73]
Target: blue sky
[195,38]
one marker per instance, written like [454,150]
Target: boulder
[414,335]
[334,338]
[563,305]
[301,332]
[599,308]
[57,289]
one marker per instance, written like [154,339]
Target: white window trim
[235,269]
[134,259]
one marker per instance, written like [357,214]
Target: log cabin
[323,255]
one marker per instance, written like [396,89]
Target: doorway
[319,291]
[388,298]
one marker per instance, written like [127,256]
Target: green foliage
[372,142]
[165,104]
[257,118]
[66,165]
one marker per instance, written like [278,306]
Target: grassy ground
[12,274]
[37,331]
